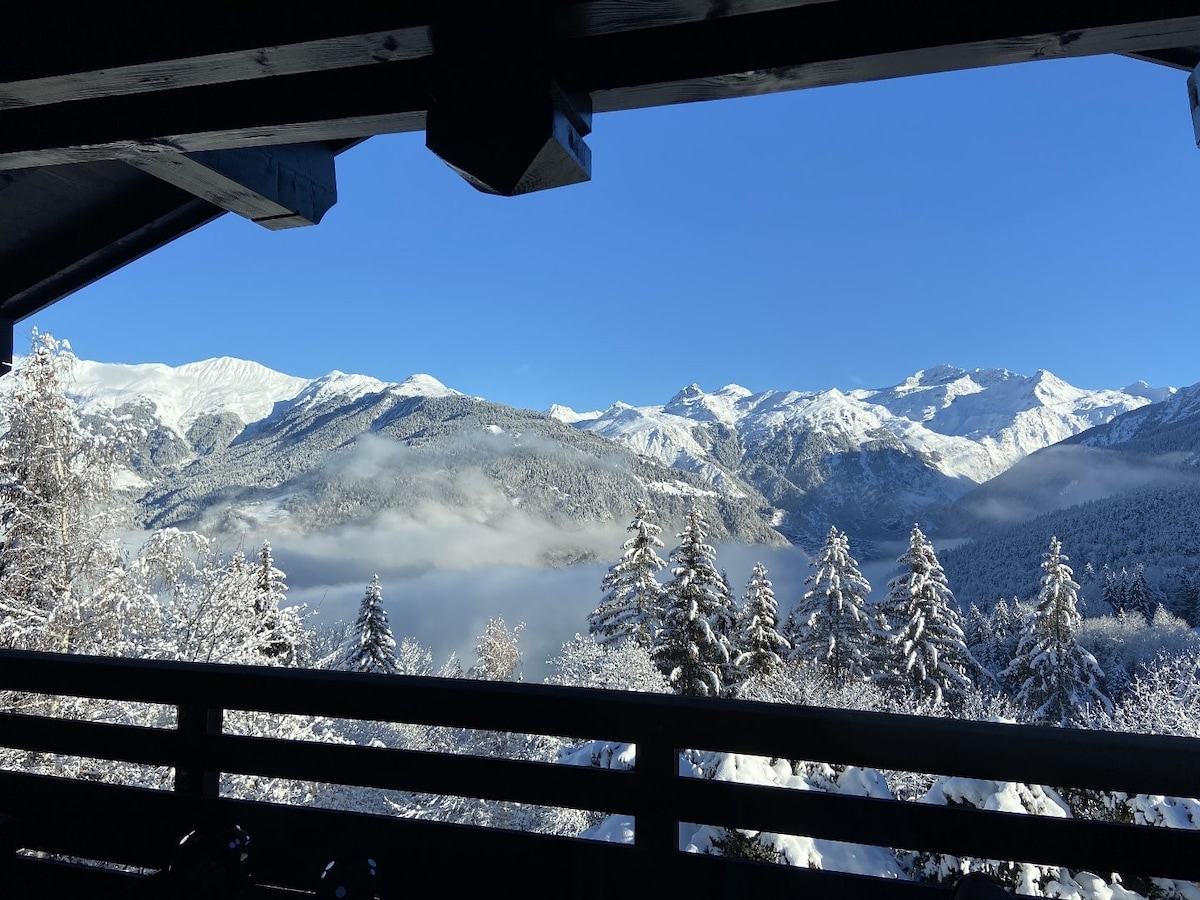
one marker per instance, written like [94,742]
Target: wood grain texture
[279,187]
[798,46]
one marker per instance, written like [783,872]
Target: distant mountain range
[870,461]
[1121,494]
[231,445]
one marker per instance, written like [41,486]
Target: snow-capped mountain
[1121,494]
[232,446]
[178,396]
[868,460]
[1155,445]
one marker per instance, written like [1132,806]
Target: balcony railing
[60,818]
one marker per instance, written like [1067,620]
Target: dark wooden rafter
[276,187]
[234,108]
[1183,58]
[794,47]
[867,40]
[105,51]
[70,246]
[141,46]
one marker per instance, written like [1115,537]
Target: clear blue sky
[1035,216]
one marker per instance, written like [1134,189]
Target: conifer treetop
[830,626]
[373,648]
[632,607]
[690,649]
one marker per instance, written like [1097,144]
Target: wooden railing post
[194,774]
[655,829]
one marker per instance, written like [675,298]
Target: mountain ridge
[232,434]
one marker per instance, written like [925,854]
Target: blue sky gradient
[1033,216]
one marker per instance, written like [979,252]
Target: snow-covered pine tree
[928,656]
[762,648]
[281,630]
[1058,681]
[688,649]
[1140,597]
[632,608]
[994,642]
[55,498]
[1115,589]
[372,649]
[727,624]
[831,626]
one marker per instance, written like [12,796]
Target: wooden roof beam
[276,187]
[98,50]
[1183,58]
[337,105]
[499,115]
[784,49]
[854,41]
[103,50]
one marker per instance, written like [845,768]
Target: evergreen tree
[928,654]
[631,609]
[1058,681]
[280,629]
[831,626]
[975,626]
[1140,598]
[1115,590]
[727,624]
[1089,576]
[373,648]
[995,645]
[688,649]
[761,647]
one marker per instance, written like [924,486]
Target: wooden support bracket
[499,116]
[276,187]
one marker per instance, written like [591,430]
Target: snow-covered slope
[866,459]
[1152,446]
[230,445]
[180,395]
[869,461]
[568,416]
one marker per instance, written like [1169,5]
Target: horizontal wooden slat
[487,778]
[35,879]
[1059,757]
[292,844]
[1099,847]
[1041,755]
[959,831]
[97,740]
[132,826]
